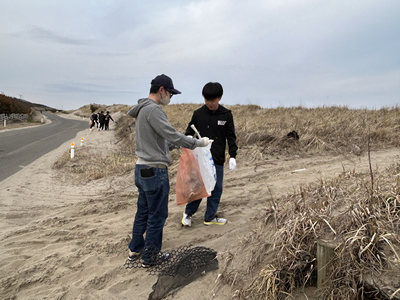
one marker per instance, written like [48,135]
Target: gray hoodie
[153,132]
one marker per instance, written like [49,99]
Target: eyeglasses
[170,93]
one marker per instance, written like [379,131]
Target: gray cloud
[79,87]
[36,33]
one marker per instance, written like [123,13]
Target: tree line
[9,105]
[12,105]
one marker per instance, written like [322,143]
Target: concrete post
[325,253]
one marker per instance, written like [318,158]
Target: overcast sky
[69,53]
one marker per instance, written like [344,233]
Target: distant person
[216,122]
[93,119]
[155,137]
[107,119]
[102,119]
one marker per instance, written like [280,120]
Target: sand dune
[65,241]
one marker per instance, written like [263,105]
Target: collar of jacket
[220,110]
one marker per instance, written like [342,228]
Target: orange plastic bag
[189,184]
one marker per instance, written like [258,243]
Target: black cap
[166,82]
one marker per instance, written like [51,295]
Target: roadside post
[81,141]
[72,150]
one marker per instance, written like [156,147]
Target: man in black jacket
[102,119]
[216,122]
[107,119]
[93,118]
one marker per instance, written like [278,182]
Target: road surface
[18,148]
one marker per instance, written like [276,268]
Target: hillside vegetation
[263,133]
[11,105]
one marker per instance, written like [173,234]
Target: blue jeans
[152,210]
[212,201]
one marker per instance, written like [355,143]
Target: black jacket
[217,126]
[102,118]
[107,118]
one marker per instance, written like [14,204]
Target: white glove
[232,164]
[203,142]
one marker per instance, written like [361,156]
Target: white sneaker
[187,220]
[216,221]
[133,255]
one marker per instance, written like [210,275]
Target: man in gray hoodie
[155,137]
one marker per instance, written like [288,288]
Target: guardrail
[13,116]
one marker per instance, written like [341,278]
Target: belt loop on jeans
[160,166]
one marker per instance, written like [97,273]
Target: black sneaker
[161,257]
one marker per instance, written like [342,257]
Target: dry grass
[88,164]
[281,252]
[324,130]
[262,133]
[86,112]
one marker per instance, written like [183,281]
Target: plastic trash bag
[207,167]
[189,183]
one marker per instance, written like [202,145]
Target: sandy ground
[64,241]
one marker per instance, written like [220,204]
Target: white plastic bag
[207,167]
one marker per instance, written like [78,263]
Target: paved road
[18,148]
